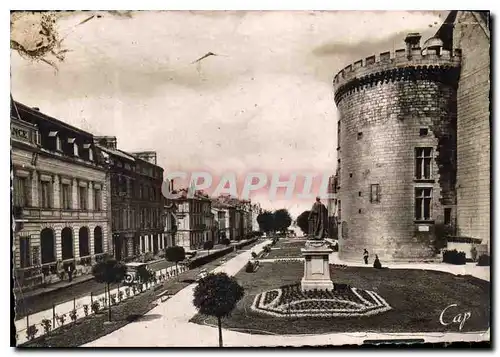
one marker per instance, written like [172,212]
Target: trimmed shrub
[484,260]
[249,268]
[454,257]
[194,263]
[96,306]
[208,245]
[225,241]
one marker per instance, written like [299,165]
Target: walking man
[365,256]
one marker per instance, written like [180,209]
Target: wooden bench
[163,296]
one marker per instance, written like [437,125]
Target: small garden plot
[291,301]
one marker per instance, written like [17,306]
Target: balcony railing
[56,213]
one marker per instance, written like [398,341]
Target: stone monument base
[316,267]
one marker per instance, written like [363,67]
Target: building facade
[137,214]
[192,215]
[170,210]
[256,210]
[397,150]
[470,32]
[220,212]
[60,197]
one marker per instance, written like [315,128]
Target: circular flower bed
[343,301]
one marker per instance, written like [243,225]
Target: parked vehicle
[133,273]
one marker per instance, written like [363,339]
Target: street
[37,303]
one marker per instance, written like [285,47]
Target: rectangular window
[20,191]
[375,193]
[423,204]
[423,161]
[45,194]
[447,216]
[65,196]
[82,192]
[24,252]
[114,220]
[97,199]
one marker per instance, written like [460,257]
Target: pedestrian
[365,256]
[376,263]
[70,272]
[473,253]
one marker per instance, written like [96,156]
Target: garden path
[169,326]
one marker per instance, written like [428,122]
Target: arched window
[98,243]
[83,242]
[67,243]
[47,245]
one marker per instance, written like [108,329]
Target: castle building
[414,144]
[470,31]
[137,218]
[60,199]
[397,150]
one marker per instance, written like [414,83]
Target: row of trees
[277,221]
[215,295]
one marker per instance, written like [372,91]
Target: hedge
[454,257]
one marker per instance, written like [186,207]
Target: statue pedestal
[316,269]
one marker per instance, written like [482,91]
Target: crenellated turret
[413,62]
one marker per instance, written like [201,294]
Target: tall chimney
[412,41]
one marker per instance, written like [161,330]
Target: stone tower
[396,153]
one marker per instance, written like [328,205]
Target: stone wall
[380,128]
[473,155]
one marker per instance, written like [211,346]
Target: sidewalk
[467,269]
[168,326]
[53,287]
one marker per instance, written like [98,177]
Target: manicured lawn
[286,248]
[417,298]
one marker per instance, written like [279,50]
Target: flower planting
[47,325]
[31,332]
[291,301]
[73,315]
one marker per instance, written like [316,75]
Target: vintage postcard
[250,178]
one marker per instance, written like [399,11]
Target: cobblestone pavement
[169,326]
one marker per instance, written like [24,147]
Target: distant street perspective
[250,179]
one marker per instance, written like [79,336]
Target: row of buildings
[413,171]
[76,196]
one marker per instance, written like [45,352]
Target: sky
[264,103]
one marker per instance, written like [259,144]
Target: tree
[217,295]
[208,245]
[109,271]
[175,254]
[303,222]
[266,221]
[282,220]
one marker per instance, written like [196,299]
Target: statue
[318,221]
